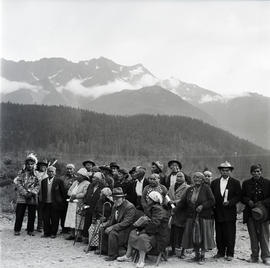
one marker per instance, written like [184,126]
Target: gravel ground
[26,251]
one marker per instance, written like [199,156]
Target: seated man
[117,230]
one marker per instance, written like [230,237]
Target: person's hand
[199,208]
[72,197]
[28,195]
[108,229]
[225,204]
[251,204]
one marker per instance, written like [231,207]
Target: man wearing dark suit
[227,193]
[256,195]
[53,197]
[117,230]
[135,189]
[170,180]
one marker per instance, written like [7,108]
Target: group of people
[120,213]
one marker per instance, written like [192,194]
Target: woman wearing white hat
[151,230]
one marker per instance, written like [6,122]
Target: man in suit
[227,193]
[256,197]
[53,197]
[117,230]
[170,180]
[135,189]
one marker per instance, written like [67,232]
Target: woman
[199,202]
[91,198]
[101,213]
[152,233]
[178,220]
[154,185]
[76,192]
[208,175]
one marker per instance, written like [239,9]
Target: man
[88,165]
[175,166]
[107,172]
[115,168]
[132,173]
[27,192]
[68,179]
[227,193]
[117,230]
[53,196]
[157,168]
[135,187]
[41,173]
[256,197]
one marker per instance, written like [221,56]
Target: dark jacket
[92,196]
[58,193]
[226,213]
[205,198]
[248,193]
[131,193]
[158,226]
[100,208]
[126,216]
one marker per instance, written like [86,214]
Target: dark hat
[133,169]
[226,164]
[43,162]
[118,192]
[114,165]
[124,172]
[95,169]
[159,165]
[259,213]
[105,168]
[88,161]
[175,161]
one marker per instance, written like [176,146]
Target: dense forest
[73,132]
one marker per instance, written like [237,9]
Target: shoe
[70,237]
[79,239]
[17,233]
[110,258]
[31,233]
[140,265]
[266,262]
[171,253]
[53,236]
[218,256]
[253,260]
[97,252]
[39,230]
[45,236]
[229,258]
[124,258]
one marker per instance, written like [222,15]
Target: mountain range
[104,86]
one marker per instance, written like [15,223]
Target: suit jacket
[226,213]
[130,190]
[126,216]
[248,193]
[58,193]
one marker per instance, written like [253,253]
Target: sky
[223,46]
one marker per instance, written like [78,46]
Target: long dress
[71,218]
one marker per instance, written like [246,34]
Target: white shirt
[173,179]
[223,184]
[139,187]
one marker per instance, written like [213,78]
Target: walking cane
[77,231]
[102,229]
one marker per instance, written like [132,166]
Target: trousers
[20,211]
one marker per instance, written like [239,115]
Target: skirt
[94,234]
[73,219]
[207,233]
[141,242]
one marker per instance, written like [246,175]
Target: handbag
[196,231]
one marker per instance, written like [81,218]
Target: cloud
[11,86]
[77,88]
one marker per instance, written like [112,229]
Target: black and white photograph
[134,133]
